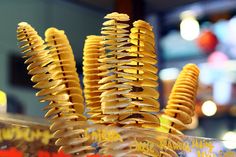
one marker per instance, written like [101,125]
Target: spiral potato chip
[115,40]
[93,49]
[54,73]
[180,106]
[181,103]
[130,81]
[143,94]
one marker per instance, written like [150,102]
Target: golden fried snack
[113,101]
[93,49]
[142,64]
[181,103]
[32,46]
[128,88]
[54,72]
[69,124]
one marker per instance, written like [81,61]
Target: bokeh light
[209,108]
[169,74]
[189,28]
[217,58]
[230,138]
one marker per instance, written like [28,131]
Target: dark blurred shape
[17,72]
[233,111]
[98,5]
[134,8]
[14,105]
[200,8]
[219,16]
[80,72]
[167,5]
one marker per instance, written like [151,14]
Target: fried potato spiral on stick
[113,101]
[93,49]
[180,106]
[129,90]
[181,103]
[68,125]
[129,95]
[32,46]
[142,71]
[53,68]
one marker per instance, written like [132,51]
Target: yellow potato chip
[180,106]
[149,109]
[144,83]
[148,102]
[117,111]
[146,93]
[110,118]
[144,37]
[141,23]
[177,123]
[117,16]
[115,104]
[112,92]
[144,43]
[142,30]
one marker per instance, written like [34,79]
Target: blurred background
[196,31]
